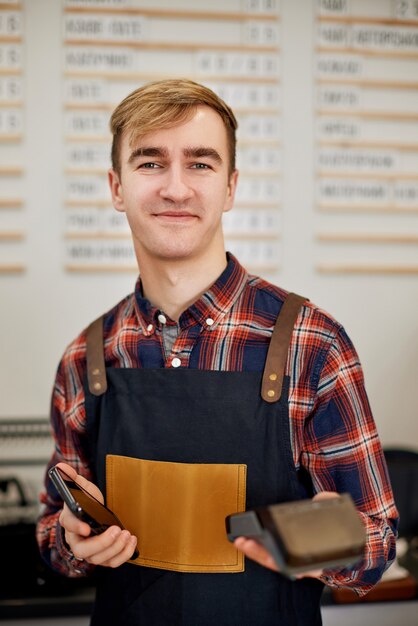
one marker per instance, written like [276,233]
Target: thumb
[325,495]
[85,484]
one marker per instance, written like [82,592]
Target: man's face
[174,187]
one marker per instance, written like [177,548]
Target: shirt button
[209,321]
[150,327]
[175,362]
[162,318]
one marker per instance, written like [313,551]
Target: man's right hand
[111,548]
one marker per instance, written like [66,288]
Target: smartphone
[84,506]
[304,535]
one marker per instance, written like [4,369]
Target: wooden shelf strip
[400,116]
[88,138]
[365,52]
[137,76]
[379,21]
[370,83]
[88,204]
[11,268]
[379,238]
[11,104]
[368,175]
[100,268]
[347,268]
[11,203]
[11,171]
[164,45]
[10,71]
[177,13]
[378,145]
[97,235]
[353,208]
[11,236]
[10,39]
[10,138]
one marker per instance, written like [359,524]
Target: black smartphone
[84,506]
[304,535]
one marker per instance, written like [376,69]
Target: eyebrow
[147,152]
[203,151]
[189,152]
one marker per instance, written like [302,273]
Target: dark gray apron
[198,416]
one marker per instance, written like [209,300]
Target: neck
[173,286]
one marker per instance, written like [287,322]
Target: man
[189,395]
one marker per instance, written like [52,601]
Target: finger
[82,481]
[74,529]
[72,524]
[98,548]
[70,471]
[126,551]
[88,548]
[257,552]
[325,495]
[316,573]
[112,544]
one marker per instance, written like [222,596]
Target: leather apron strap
[271,386]
[96,369]
[272,383]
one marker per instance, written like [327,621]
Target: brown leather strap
[96,370]
[271,387]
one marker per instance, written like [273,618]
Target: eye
[148,166]
[201,166]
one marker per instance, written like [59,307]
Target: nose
[175,185]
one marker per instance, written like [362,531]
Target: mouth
[175,216]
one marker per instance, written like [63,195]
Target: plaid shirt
[333,434]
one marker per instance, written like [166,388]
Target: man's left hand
[258,553]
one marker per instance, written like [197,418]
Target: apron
[191,416]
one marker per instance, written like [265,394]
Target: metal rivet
[97,386]
[273,377]
[271,393]
[96,371]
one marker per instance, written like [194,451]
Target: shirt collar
[208,310]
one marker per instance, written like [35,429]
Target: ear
[232,187]
[116,190]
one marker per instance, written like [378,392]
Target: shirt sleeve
[342,453]
[49,533]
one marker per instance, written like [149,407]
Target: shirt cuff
[75,567]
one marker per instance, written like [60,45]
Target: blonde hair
[164,104]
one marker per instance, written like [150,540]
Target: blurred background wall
[327,98]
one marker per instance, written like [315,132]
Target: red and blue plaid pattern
[229,328]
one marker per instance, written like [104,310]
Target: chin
[174,253]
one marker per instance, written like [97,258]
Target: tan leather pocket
[177,511]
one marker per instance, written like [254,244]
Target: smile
[175,216]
